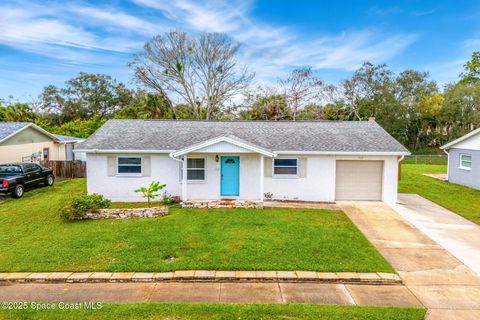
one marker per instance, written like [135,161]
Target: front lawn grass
[459,199]
[223,311]
[33,237]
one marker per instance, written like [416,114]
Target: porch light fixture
[216,158]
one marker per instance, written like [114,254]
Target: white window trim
[460,166]
[190,181]
[285,176]
[130,174]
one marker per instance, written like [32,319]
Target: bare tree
[302,87]
[203,71]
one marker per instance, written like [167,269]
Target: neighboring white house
[302,160]
[25,141]
[464,160]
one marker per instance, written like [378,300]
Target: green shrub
[167,199]
[81,205]
[149,192]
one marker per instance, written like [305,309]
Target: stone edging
[218,204]
[203,276]
[127,213]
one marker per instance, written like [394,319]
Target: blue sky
[48,42]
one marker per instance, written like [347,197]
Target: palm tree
[18,112]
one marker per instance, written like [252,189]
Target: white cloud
[385,11]
[20,26]
[347,51]
[60,31]
[475,43]
[272,50]
[88,35]
[447,71]
[111,17]
[423,13]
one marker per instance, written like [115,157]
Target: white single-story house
[464,160]
[244,160]
[25,141]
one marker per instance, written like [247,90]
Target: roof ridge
[243,121]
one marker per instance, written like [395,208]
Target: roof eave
[275,153]
[367,153]
[71,141]
[462,138]
[133,151]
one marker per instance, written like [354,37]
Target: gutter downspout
[184,182]
[399,166]
[448,164]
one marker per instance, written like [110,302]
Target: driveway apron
[442,283]
[458,235]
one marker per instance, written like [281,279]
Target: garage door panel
[359,180]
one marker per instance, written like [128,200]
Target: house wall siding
[318,185]
[27,142]
[210,189]
[470,178]
[121,188]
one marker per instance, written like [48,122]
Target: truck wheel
[49,180]
[18,191]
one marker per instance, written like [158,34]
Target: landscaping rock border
[218,204]
[127,213]
[377,278]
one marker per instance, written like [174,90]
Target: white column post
[261,176]
[184,178]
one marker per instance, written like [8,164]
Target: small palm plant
[151,191]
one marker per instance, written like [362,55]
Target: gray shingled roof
[63,138]
[336,136]
[7,128]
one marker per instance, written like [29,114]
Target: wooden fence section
[67,169]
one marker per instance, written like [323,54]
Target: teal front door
[229,181]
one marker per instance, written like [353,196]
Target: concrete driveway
[439,280]
[456,234]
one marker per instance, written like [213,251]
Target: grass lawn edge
[184,311]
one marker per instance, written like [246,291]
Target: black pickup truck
[16,177]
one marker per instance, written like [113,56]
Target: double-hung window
[466,161]
[285,167]
[129,166]
[196,169]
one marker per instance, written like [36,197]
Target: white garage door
[359,180]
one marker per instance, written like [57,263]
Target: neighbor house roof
[462,138]
[66,139]
[9,129]
[274,136]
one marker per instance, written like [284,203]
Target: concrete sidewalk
[456,234]
[384,295]
[438,280]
